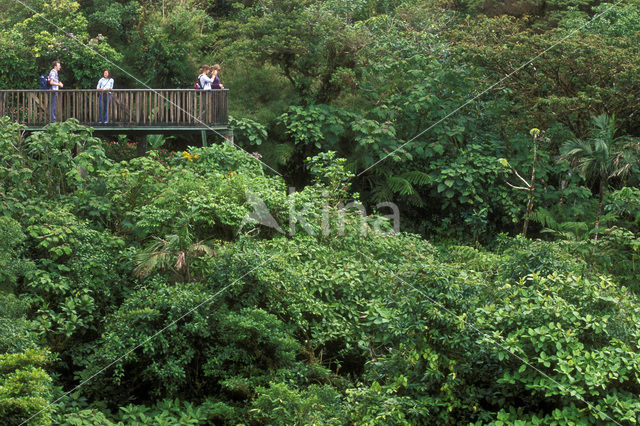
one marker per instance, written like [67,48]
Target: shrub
[25,388]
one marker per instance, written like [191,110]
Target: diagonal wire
[157,333]
[488,337]
[68,35]
[562,40]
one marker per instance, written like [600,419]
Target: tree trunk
[532,188]
[602,188]
[595,239]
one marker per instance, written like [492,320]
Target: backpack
[197,85]
[44,82]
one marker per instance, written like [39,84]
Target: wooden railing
[126,107]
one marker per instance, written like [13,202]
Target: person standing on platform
[204,79]
[55,84]
[205,84]
[216,84]
[105,84]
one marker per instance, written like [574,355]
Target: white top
[105,83]
[205,82]
[53,78]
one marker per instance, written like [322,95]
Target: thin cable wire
[144,342]
[571,33]
[508,350]
[139,81]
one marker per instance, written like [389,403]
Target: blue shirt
[105,83]
[53,78]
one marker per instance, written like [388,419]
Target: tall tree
[601,156]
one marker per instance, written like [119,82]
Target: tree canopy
[356,257]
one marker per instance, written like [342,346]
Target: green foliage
[601,157]
[248,132]
[52,161]
[580,333]
[613,20]
[619,245]
[330,173]
[165,265]
[175,412]
[557,355]
[12,265]
[53,32]
[17,333]
[522,258]
[254,347]
[25,388]
[77,278]
[333,323]
[312,47]
[316,125]
[259,93]
[117,21]
[164,44]
[89,417]
[134,323]
[279,404]
[168,411]
[197,196]
[548,89]
[172,253]
[215,347]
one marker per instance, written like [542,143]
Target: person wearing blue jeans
[55,84]
[104,98]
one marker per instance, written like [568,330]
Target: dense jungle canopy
[265,282]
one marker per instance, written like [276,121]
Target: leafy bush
[579,338]
[12,264]
[44,162]
[522,257]
[215,349]
[279,404]
[77,276]
[25,387]
[17,333]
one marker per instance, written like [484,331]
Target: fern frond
[544,217]
[417,178]
[381,193]
[400,186]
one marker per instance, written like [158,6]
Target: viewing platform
[129,110]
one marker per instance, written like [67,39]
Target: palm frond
[202,247]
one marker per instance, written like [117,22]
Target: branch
[520,177]
[517,187]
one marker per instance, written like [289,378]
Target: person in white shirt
[205,80]
[105,84]
[55,84]
[205,84]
